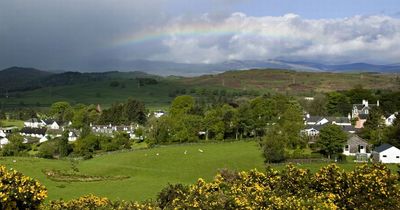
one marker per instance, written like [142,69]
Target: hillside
[110,87]
[271,80]
[19,78]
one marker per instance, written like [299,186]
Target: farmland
[148,172]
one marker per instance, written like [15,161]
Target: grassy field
[148,172]
[12,123]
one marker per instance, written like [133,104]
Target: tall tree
[273,145]
[331,140]
[182,105]
[338,104]
[61,111]
[63,144]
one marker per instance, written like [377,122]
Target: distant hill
[24,79]
[166,68]
[19,78]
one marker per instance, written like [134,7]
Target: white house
[43,139]
[3,141]
[355,145]
[386,153]
[390,120]
[72,136]
[52,124]
[34,123]
[159,113]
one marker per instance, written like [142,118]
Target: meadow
[149,170]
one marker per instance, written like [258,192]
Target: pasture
[149,170]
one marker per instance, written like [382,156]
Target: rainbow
[194,30]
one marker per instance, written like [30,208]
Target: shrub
[91,202]
[367,187]
[48,149]
[18,191]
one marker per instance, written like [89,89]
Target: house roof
[363,116]
[33,120]
[316,127]
[33,130]
[314,118]
[339,119]
[356,139]
[348,128]
[383,147]
[49,121]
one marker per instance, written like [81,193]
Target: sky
[105,34]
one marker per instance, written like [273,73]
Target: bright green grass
[148,172]
[11,123]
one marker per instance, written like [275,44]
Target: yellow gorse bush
[367,187]
[18,191]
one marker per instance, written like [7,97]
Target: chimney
[377,103]
[363,102]
[366,103]
[308,115]
[349,116]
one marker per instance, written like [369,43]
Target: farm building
[386,153]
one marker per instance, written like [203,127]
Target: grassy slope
[11,123]
[98,93]
[148,172]
[296,82]
[156,96]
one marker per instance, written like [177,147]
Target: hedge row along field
[366,187]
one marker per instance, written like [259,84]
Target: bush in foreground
[18,191]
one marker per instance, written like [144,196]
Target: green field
[12,123]
[148,172]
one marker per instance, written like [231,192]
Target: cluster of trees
[132,111]
[188,121]
[377,133]
[339,103]
[59,147]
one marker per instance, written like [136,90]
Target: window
[384,156]
[346,148]
[397,157]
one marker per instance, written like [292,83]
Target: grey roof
[314,118]
[358,106]
[382,148]
[339,119]
[356,139]
[33,120]
[348,127]
[363,116]
[49,121]
[316,127]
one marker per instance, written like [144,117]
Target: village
[41,130]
